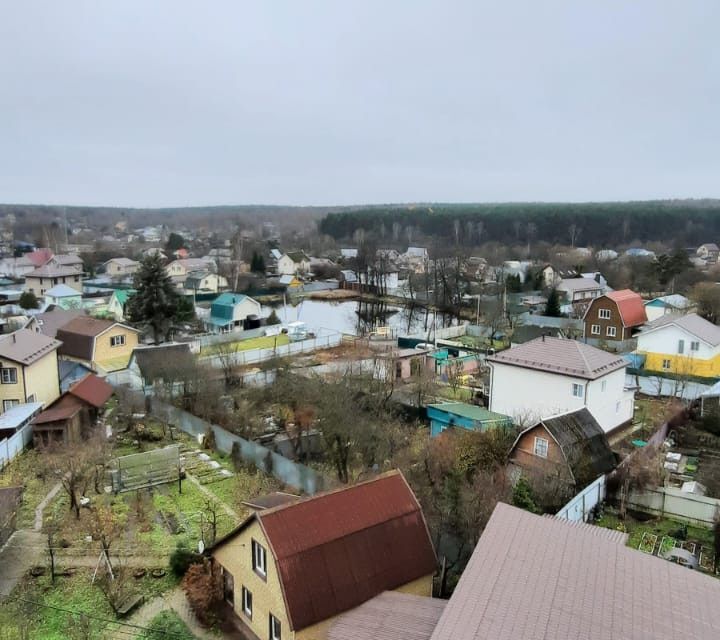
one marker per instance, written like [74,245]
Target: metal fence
[580,507]
[14,445]
[289,472]
[677,504]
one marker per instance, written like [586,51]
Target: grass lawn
[24,471]
[262,342]
[459,395]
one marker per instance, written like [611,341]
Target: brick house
[289,571]
[615,316]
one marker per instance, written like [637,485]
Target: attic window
[117,341]
[259,559]
[604,314]
[541,447]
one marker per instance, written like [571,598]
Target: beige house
[41,280]
[289,571]
[28,368]
[121,267]
[102,345]
[178,270]
[205,282]
[292,263]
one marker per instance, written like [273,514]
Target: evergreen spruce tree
[552,308]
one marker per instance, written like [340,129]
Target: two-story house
[708,252]
[102,345]
[614,316]
[121,267]
[579,290]
[205,282]
[178,270]
[289,571]
[548,376]
[684,345]
[28,368]
[292,263]
[44,278]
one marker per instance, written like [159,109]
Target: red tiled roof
[339,549]
[39,257]
[92,390]
[630,305]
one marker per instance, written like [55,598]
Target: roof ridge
[582,355]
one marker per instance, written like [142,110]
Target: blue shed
[465,416]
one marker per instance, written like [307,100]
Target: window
[681,346]
[31,397]
[247,602]
[9,375]
[694,346]
[274,628]
[117,341]
[541,447]
[604,314]
[259,559]
[666,364]
[603,385]
[595,330]
[611,332]
[9,404]
[228,586]
[578,390]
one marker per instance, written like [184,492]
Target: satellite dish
[201,547]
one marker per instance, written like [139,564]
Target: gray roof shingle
[692,323]
[558,355]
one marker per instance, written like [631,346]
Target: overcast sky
[152,103]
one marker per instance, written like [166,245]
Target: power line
[98,618]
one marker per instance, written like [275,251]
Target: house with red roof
[615,316]
[288,571]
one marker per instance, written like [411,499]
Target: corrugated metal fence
[579,508]
[11,447]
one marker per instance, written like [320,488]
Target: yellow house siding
[683,365]
[103,349]
[42,380]
[12,391]
[236,557]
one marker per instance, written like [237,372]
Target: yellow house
[683,345]
[289,571]
[103,345]
[28,368]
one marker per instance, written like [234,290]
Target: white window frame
[666,364]
[9,375]
[611,332]
[117,341]
[595,330]
[9,404]
[604,314]
[247,602]
[259,559]
[275,630]
[578,390]
[540,447]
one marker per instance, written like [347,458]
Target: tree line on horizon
[679,223]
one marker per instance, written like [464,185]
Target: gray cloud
[177,102]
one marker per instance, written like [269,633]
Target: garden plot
[203,467]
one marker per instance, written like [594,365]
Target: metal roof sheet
[92,390]
[692,323]
[630,306]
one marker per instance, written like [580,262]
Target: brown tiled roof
[558,355]
[533,577]
[50,321]
[78,335]
[26,346]
[58,412]
[339,549]
[390,616]
[92,390]
[39,257]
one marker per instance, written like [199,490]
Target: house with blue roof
[230,310]
[460,415]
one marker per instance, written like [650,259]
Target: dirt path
[203,489]
[41,507]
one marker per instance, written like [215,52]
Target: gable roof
[92,390]
[62,291]
[542,577]
[561,356]
[66,259]
[298,256]
[572,285]
[629,304]
[125,262]
[582,442]
[51,271]
[157,361]
[39,257]
[123,295]
[50,321]
[674,300]
[78,335]
[336,550]
[691,322]
[25,346]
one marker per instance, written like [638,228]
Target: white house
[64,297]
[230,310]
[178,270]
[293,263]
[16,267]
[664,305]
[205,281]
[548,376]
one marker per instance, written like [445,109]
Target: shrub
[202,592]
[181,559]
[522,496]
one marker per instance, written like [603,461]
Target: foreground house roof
[533,577]
[692,323]
[560,356]
[25,346]
[339,549]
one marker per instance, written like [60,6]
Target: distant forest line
[676,222]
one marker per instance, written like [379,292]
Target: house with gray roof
[548,376]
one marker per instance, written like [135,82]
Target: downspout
[24,384]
